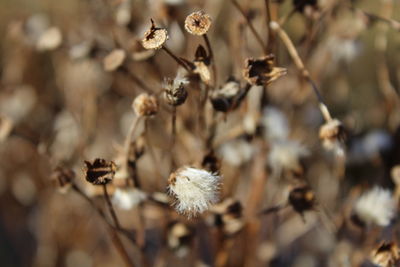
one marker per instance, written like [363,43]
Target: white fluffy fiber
[195,190]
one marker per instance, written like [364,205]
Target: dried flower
[145,105]
[262,71]
[175,91]
[63,178]
[331,133]
[155,37]
[194,189]
[198,23]
[100,172]
[114,59]
[128,198]
[375,207]
[302,199]
[225,98]
[386,255]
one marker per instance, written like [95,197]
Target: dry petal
[261,71]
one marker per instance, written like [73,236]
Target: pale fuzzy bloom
[275,123]
[194,189]
[285,155]
[376,207]
[236,152]
[127,199]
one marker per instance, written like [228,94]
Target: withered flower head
[62,178]
[224,98]
[332,133]
[114,59]
[386,255]
[175,91]
[198,23]
[302,198]
[100,172]
[262,71]
[155,37]
[145,105]
[201,63]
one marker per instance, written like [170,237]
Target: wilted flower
[63,178]
[155,37]
[227,97]
[302,199]
[375,207]
[100,172]
[262,71]
[194,189]
[145,105]
[114,59]
[175,91]
[201,63]
[198,23]
[386,255]
[128,198]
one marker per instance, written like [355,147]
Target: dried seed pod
[198,23]
[145,105]
[100,172]
[302,199]
[175,91]
[155,37]
[114,59]
[386,255]
[63,178]
[262,71]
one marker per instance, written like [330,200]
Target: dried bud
[175,91]
[198,23]
[261,71]
[145,105]
[386,255]
[113,60]
[63,178]
[155,37]
[194,189]
[100,172]
[302,199]
[202,70]
[332,133]
[6,126]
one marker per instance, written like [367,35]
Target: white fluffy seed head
[376,207]
[194,189]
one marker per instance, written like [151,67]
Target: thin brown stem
[179,61]
[173,125]
[211,53]
[253,30]
[271,36]
[110,207]
[135,79]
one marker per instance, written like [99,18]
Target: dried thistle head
[387,254]
[155,37]
[63,178]
[145,105]
[175,91]
[100,172]
[198,23]
[114,59]
[194,189]
[262,71]
[302,199]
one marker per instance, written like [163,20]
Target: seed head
[224,98]
[155,37]
[145,105]
[198,23]
[261,71]
[175,91]
[100,172]
[194,189]
[386,255]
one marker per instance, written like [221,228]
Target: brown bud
[261,71]
[114,59]
[100,172]
[302,199]
[175,92]
[63,178]
[386,255]
[155,37]
[145,105]
[198,23]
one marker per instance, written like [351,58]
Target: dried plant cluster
[200,133]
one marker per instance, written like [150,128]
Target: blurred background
[60,103]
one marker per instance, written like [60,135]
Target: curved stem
[171,54]
[210,51]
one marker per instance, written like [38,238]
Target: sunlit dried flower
[145,105]
[386,255]
[49,39]
[194,189]
[6,126]
[198,23]
[375,207]
[128,198]
[100,172]
[114,59]
[175,91]
[155,37]
[262,71]
[63,178]
[302,199]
